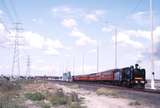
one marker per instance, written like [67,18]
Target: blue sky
[58,32]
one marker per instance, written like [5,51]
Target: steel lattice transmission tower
[16,58]
[28,66]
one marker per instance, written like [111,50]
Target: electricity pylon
[16,58]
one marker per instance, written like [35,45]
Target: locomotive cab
[139,77]
[133,76]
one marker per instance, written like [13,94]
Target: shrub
[134,103]
[58,100]
[7,102]
[37,96]
[75,105]
[46,106]
[6,86]
[107,92]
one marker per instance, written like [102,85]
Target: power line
[5,26]
[12,13]
[15,11]
[9,14]
[133,10]
[137,5]
[7,10]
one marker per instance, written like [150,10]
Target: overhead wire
[133,10]
[14,10]
[7,10]
[137,5]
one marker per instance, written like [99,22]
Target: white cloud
[94,16]
[61,9]
[47,69]
[53,43]
[37,20]
[4,36]
[1,12]
[1,27]
[141,17]
[92,51]
[105,29]
[87,69]
[131,37]
[91,17]
[125,39]
[52,51]
[33,39]
[69,23]
[99,12]
[80,13]
[157,34]
[108,28]
[82,38]
[1,66]
[36,40]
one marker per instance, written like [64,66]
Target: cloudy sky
[59,33]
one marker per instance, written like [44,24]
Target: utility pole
[16,61]
[73,66]
[115,48]
[83,57]
[152,45]
[97,57]
[28,67]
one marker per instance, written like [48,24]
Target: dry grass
[41,94]
[9,93]
[134,103]
[74,86]
[37,96]
[107,92]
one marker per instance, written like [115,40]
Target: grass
[8,103]
[70,100]
[6,86]
[107,92]
[9,93]
[75,105]
[58,98]
[37,96]
[74,86]
[12,96]
[134,103]
[44,105]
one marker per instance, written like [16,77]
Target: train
[132,77]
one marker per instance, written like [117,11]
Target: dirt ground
[92,100]
[102,98]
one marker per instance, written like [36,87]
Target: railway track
[95,86]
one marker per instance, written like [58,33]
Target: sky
[62,35]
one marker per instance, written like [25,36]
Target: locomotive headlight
[142,82]
[136,81]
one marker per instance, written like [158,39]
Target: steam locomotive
[133,77]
